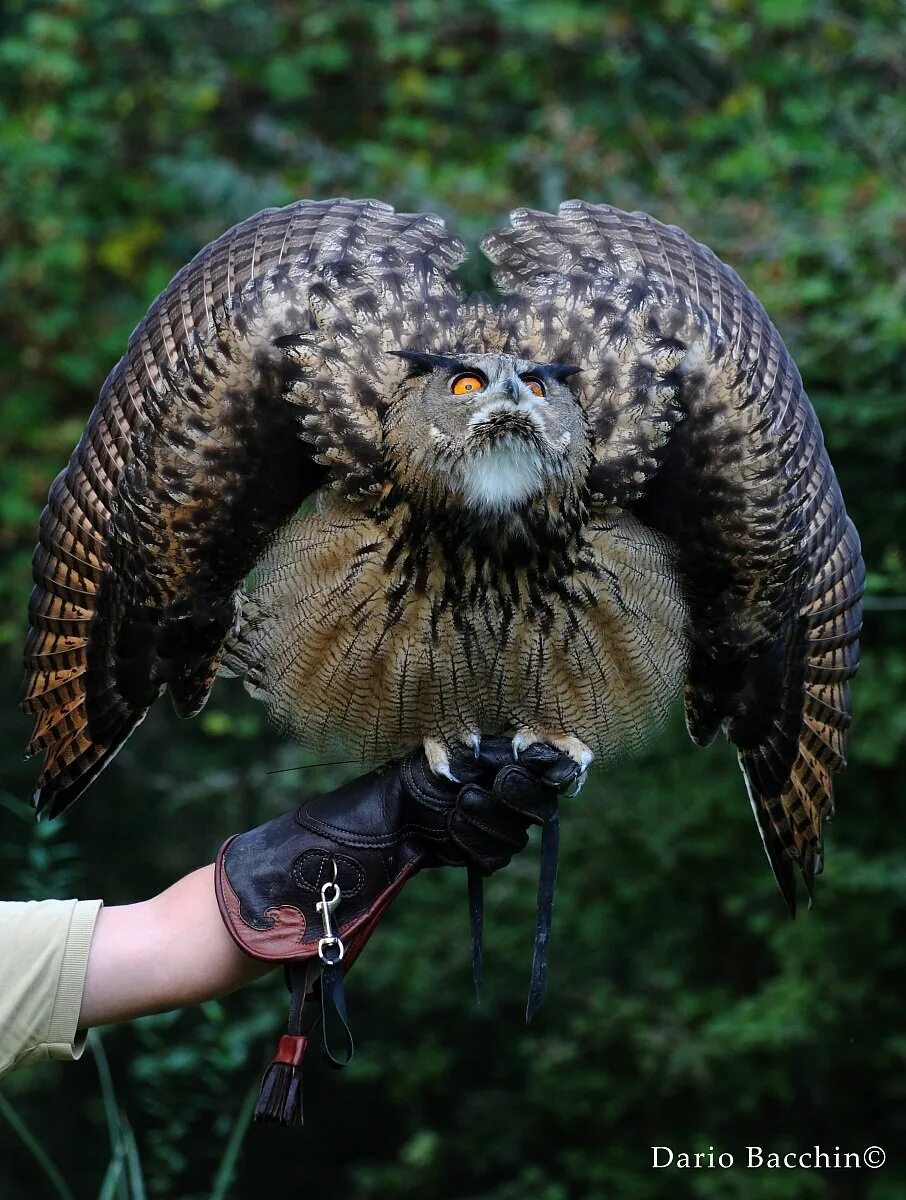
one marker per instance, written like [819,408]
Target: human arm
[67,965]
[162,953]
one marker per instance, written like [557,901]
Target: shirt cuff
[63,1039]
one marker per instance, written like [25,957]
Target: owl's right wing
[702,425]
[257,376]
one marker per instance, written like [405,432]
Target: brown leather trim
[282,942]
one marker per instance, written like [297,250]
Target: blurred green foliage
[684,1009]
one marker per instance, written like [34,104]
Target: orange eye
[464,385]
[535,386]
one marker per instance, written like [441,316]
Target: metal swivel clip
[330,946]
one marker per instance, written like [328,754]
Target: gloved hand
[308,888]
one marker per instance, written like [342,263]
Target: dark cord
[547,882]
[476,921]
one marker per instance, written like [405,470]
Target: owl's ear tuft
[424,364]
[561,371]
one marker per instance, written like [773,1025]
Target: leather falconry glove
[308,888]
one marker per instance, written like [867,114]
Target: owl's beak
[510,390]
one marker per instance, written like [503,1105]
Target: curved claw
[577,785]
[438,757]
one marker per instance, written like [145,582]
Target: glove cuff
[287,932]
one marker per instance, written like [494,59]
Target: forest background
[684,1009]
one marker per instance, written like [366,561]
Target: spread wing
[256,377]
[702,425]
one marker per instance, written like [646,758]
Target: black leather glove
[308,888]
[378,830]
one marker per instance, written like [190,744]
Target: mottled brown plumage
[666,521]
[343,646]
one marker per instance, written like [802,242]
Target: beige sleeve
[44,947]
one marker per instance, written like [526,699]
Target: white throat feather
[501,477]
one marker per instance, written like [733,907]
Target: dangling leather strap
[333,1000]
[476,923]
[547,882]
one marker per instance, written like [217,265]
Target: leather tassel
[280,1098]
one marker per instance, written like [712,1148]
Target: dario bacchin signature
[755,1157]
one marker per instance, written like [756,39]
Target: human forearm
[162,954]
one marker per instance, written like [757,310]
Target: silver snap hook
[330,946]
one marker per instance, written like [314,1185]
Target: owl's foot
[438,753]
[575,757]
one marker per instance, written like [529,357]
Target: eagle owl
[404,515]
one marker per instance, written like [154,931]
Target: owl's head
[491,430]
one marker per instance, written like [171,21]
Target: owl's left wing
[702,425]
[257,376]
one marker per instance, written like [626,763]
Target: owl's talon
[523,739]
[475,742]
[438,757]
[577,785]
